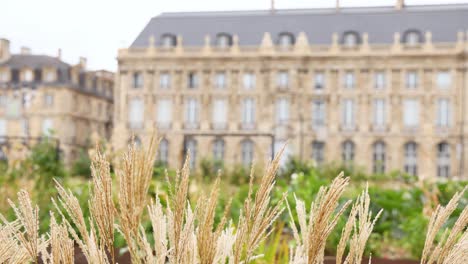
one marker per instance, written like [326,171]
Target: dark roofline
[316,11]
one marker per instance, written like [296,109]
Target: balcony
[379,128]
[219,126]
[164,125]
[348,128]
[248,126]
[191,125]
[135,125]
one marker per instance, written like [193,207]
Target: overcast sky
[96,29]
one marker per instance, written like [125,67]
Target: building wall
[301,62]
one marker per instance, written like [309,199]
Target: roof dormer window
[168,40]
[223,40]
[286,39]
[351,39]
[412,37]
[28,75]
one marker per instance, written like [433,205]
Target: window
[164,115]
[286,40]
[348,113]
[220,80]
[3,100]
[443,113]
[411,79]
[247,152]
[48,100]
[4,76]
[165,80]
[135,114]
[50,76]
[163,151]
[283,79]
[318,148]
[25,127]
[349,80]
[168,41]
[282,111]
[351,39]
[47,126]
[347,152]
[248,80]
[191,149]
[379,112]
[28,76]
[411,158]
[3,129]
[319,80]
[318,113]
[223,40]
[220,113]
[378,157]
[218,149]
[192,80]
[248,111]
[379,80]
[444,80]
[411,113]
[412,37]
[443,160]
[137,80]
[191,112]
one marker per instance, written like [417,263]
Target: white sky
[96,29]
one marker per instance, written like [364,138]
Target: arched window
[286,39]
[135,140]
[348,152]
[223,40]
[443,160]
[412,37]
[247,152]
[351,39]
[218,149]
[411,158]
[378,157]
[191,149]
[318,152]
[168,40]
[163,151]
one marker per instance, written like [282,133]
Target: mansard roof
[19,61]
[443,21]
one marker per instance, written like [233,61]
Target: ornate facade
[383,88]
[42,96]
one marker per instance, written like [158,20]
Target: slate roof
[18,61]
[444,21]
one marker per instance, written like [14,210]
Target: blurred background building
[42,96]
[384,88]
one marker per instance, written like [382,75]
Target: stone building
[42,96]
[385,88]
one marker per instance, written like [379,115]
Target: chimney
[25,51]
[337,5]
[400,4]
[83,62]
[4,49]
[59,54]
[272,8]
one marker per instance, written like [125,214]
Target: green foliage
[81,166]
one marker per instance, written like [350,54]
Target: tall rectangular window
[248,81]
[379,112]
[318,113]
[282,110]
[47,126]
[348,113]
[3,128]
[3,100]
[379,80]
[444,80]
[164,116]
[3,76]
[191,112]
[136,112]
[443,113]
[48,100]
[137,80]
[165,80]
[283,79]
[192,80]
[318,149]
[319,80]
[220,80]
[349,80]
[220,113]
[248,111]
[411,113]
[412,79]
